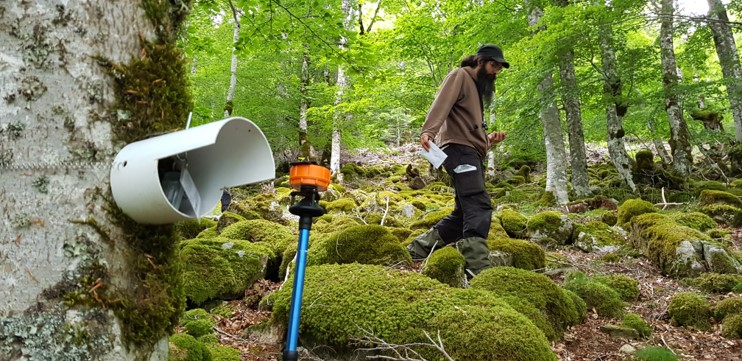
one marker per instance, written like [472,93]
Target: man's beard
[485,85]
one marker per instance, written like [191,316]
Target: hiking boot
[425,243]
[476,254]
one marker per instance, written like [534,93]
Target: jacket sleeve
[443,103]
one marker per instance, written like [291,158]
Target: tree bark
[69,266]
[570,96]
[556,156]
[614,106]
[726,49]
[229,106]
[306,148]
[682,161]
[342,84]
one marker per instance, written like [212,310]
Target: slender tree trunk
[79,280]
[348,7]
[614,107]
[556,156]
[659,146]
[229,106]
[726,49]
[306,147]
[682,161]
[570,96]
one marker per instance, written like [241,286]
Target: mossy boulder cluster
[199,343]
[354,303]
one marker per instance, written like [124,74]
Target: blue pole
[298,291]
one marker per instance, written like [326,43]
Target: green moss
[690,309]
[731,327]
[513,222]
[636,322]
[346,205]
[208,233]
[367,244]
[525,172]
[197,322]
[227,219]
[728,307]
[716,283]
[724,214]
[533,314]
[626,286]
[400,306]
[550,224]
[187,345]
[430,219]
[631,208]
[447,266]
[606,301]
[655,353]
[644,160]
[221,267]
[537,289]
[191,228]
[695,220]
[219,352]
[274,235]
[601,233]
[709,197]
[526,255]
[547,199]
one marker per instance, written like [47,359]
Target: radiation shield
[181,175]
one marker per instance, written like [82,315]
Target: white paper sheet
[435,156]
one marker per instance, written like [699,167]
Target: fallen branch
[664,203]
[386,210]
[403,352]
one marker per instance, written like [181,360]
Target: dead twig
[386,210]
[405,352]
[664,203]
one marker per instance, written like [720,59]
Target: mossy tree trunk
[556,156]
[726,49]
[682,161]
[614,106]
[78,80]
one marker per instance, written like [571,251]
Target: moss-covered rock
[184,347]
[724,214]
[550,224]
[399,307]
[514,223]
[367,244]
[636,322]
[346,205]
[728,307]
[695,220]
[191,228]
[197,322]
[690,309]
[523,254]
[678,250]
[605,300]
[539,290]
[208,233]
[596,236]
[716,283]
[447,266]
[627,287]
[274,235]
[731,327]
[631,208]
[221,267]
[226,219]
[430,219]
[709,197]
[220,352]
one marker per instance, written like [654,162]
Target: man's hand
[496,137]
[424,139]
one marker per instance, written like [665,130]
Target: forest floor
[583,342]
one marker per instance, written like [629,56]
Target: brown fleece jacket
[456,114]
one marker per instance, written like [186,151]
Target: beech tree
[79,80]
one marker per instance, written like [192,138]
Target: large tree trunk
[726,49]
[614,106]
[570,96]
[79,79]
[229,106]
[556,156]
[682,161]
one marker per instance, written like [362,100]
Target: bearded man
[456,122]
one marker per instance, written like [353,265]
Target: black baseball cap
[494,52]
